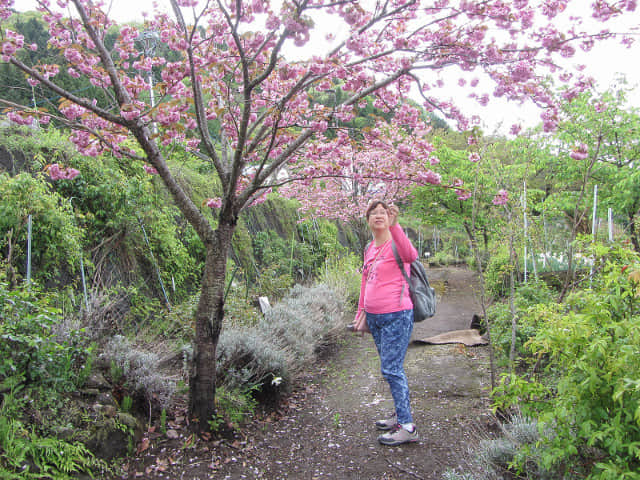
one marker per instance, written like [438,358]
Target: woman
[385,310]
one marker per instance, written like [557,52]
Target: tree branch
[83,102]
[221,166]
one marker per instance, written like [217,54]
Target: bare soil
[325,428]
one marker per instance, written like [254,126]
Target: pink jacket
[384,289]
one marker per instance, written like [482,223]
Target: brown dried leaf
[143,445]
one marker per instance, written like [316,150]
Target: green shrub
[39,147]
[302,255]
[56,240]
[26,455]
[242,252]
[443,258]
[241,306]
[342,275]
[283,256]
[39,361]
[273,282]
[103,210]
[124,210]
[30,347]
[515,451]
[176,324]
[532,293]
[592,371]
[496,274]
[323,238]
[533,302]
[291,334]
[233,407]
[140,371]
[33,451]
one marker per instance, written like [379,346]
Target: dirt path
[326,429]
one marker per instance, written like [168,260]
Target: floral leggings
[391,333]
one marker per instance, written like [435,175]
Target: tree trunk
[209,315]
[483,303]
[633,233]
[512,294]
[569,276]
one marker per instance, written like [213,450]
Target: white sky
[605,63]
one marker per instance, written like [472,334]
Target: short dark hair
[374,204]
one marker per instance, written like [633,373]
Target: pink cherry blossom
[601,107]
[130,114]
[463,194]
[549,119]
[522,72]
[403,153]
[20,118]
[319,126]
[57,172]
[150,170]
[430,177]
[72,111]
[501,198]
[6,9]
[14,42]
[579,152]
[474,157]
[214,202]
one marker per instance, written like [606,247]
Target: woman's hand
[361,323]
[394,211]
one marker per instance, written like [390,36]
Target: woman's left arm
[406,250]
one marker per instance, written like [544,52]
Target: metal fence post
[29,222]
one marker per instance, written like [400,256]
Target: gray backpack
[422,294]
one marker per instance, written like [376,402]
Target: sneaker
[398,436]
[387,423]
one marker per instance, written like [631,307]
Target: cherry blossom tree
[233,99]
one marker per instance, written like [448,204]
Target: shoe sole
[398,442]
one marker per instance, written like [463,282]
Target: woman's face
[378,218]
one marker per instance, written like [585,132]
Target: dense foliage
[39,363]
[581,375]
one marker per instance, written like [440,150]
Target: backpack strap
[401,266]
